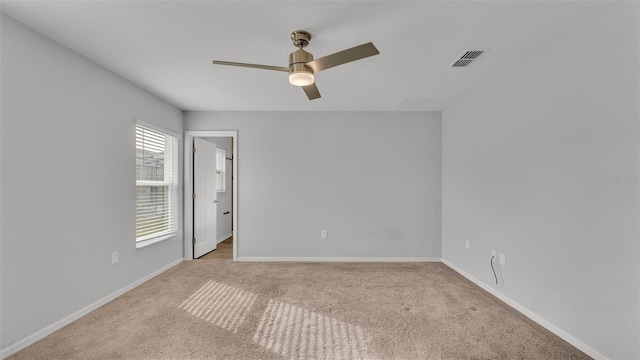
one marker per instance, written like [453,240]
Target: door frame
[188,187]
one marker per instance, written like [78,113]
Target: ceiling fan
[302,66]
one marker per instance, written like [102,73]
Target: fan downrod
[300,38]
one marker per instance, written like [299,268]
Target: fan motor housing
[298,59]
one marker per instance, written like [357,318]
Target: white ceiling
[166,47]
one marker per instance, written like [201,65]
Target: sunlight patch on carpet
[298,333]
[222,305]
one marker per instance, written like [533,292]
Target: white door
[205,201]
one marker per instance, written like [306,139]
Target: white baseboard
[223,238]
[530,314]
[340,259]
[21,344]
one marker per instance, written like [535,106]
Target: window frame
[171,172]
[221,169]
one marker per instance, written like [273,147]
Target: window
[156,185]
[220,170]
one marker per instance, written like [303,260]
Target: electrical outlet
[466,244]
[502,259]
[493,255]
[324,234]
[114,258]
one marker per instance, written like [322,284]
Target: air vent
[473,54]
[461,63]
[467,58]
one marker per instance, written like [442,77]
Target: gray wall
[528,163]
[372,179]
[223,222]
[68,182]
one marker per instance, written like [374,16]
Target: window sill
[147,242]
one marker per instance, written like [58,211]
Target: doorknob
[215,201]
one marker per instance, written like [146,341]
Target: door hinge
[193,241]
[193,149]
[193,196]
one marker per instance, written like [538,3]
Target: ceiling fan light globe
[301,78]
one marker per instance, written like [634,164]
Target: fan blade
[256,66]
[343,57]
[311,91]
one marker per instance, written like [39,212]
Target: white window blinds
[156,184]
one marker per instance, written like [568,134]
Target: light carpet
[225,310]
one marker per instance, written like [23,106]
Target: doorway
[210,192]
